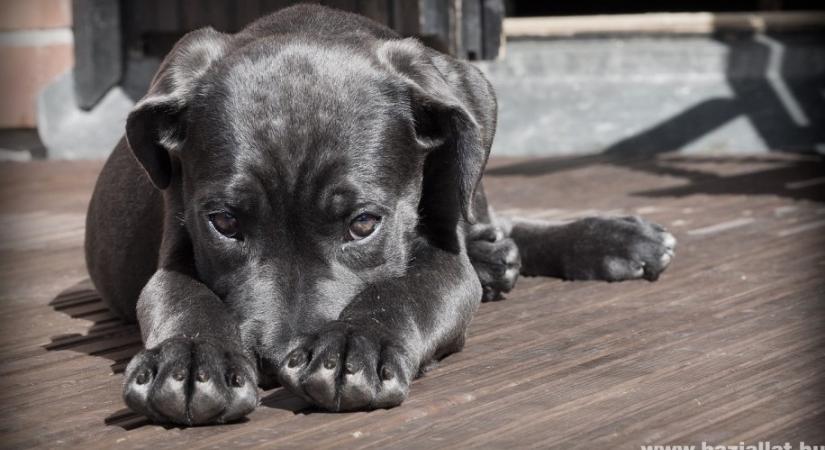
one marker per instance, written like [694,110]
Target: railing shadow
[107,337]
[779,98]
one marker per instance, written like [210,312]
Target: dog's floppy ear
[155,127]
[445,126]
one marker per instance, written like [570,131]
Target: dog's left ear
[455,138]
[156,126]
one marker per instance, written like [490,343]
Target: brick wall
[35,47]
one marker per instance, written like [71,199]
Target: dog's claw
[349,368]
[142,377]
[296,359]
[236,380]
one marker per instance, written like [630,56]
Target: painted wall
[35,47]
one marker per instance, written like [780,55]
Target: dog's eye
[225,223]
[363,226]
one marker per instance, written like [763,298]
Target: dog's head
[306,170]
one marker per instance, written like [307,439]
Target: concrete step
[719,93]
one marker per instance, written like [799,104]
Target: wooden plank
[492,20]
[725,348]
[219,14]
[664,23]
[246,11]
[377,10]
[98,54]
[406,17]
[472,29]
[344,5]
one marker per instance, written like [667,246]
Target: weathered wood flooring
[727,347]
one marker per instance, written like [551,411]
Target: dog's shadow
[107,337]
[110,337]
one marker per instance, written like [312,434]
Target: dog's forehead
[300,93]
[296,100]
[303,114]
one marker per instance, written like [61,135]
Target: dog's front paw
[191,382]
[617,249]
[495,258]
[344,368]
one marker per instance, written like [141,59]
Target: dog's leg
[367,358]
[494,255]
[193,370]
[595,248]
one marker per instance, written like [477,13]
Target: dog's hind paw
[190,382]
[346,368]
[495,258]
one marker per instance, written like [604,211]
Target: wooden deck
[727,347]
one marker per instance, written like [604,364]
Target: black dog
[299,203]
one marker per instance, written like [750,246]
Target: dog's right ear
[156,126]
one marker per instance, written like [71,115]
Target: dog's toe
[496,260]
[344,369]
[394,378]
[668,240]
[359,382]
[659,254]
[190,383]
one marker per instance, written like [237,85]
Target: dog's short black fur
[299,203]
